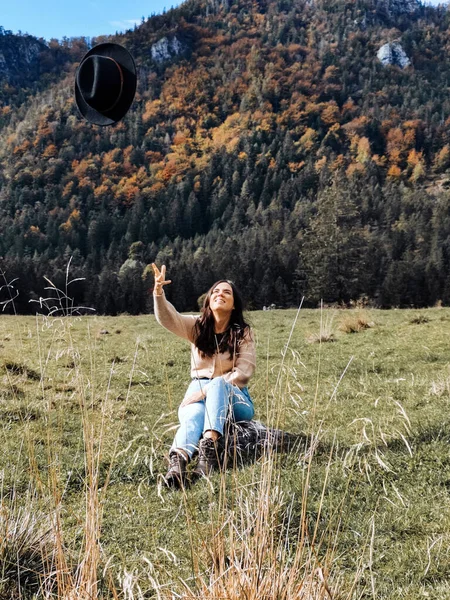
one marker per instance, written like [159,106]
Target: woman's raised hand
[160,278]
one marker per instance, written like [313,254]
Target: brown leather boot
[208,458]
[176,475]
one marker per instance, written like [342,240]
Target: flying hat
[105,84]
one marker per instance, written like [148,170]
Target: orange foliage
[68,189]
[126,160]
[129,187]
[154,189]
[113,156]
[34,232]
[355,169]
[395,156]
[101,190]
[380,161]
[319,164]
[330,114]
[180,138]
[85,182]
[43,128]
[394,172]
[331,73]
[50,152]
[356,126]
[442,159]
[409,138]
[114,168]
[26,145]
[74,217]
[412,124]
[228,133]
[130,192]
[295,167]
[338,163]
[414,158]
[396,144]
[168,172]
[153,157]
[86,168]
[308,139]
[349,106]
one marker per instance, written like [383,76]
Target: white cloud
[125,24]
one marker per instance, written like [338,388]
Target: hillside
[267,143]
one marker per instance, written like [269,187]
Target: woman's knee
[191,411]
[243,409]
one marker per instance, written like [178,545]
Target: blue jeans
[210,413]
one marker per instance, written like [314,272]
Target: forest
[275,149]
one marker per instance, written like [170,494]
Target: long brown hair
[204,337]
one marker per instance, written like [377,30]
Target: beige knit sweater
[236,371]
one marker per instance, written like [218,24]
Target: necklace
[218,342]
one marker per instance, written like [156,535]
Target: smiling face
[222,299]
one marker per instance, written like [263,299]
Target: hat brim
[126,62]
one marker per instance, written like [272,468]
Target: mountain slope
[272,146]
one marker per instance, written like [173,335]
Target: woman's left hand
[195,397]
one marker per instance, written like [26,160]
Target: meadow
[359,509]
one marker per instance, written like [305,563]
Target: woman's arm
[244,364]
[165,313]
[168,316]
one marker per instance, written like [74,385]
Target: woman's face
[222,299]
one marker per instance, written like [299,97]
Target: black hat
[105,84]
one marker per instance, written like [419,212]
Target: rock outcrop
[393,54]
[398,7]
[20,57]
[166,49]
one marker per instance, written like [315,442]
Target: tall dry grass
[257,548]
[259,543]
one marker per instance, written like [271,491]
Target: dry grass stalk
[325,333]
[440,387]
[355,324]
[27,550]
[321,338]
[257,549]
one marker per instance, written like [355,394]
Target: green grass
[378,485]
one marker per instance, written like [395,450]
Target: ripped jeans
[210,413]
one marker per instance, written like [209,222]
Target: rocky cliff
[393,54]
[399,7]
[166,49]
[20,57]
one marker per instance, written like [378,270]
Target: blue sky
[59,18]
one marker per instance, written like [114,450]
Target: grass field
[361,509]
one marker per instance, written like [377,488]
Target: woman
[222,362]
